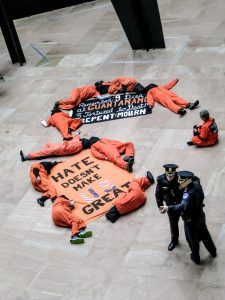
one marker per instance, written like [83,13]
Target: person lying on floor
[39,178]
[206,134]
[111,150]
[164,96]
[131,200]
[72,146]
[63,123]
[64,215]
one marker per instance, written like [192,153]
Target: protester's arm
[171,84]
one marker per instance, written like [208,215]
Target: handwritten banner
[111,108]
[93,184]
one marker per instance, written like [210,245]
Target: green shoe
[84,234]
[76,240]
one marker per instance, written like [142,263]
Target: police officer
[167,190]
[191,207]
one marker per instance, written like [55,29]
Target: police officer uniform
[169,192]
[193,215]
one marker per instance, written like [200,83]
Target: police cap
[170,169]
[185,175]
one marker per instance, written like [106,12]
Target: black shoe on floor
[23,156]
[129,166]
[213,254]
[195,260]
[127,158]
[41,202]
[190,143]
[181,112]
[172,245]
[193,105]
[150,177]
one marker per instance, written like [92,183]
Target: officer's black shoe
[172,245]
[23,156]
[190,143]
[195,260]
[129,166]
[213,254]
[127,158]
[181,112]
[150,177]
[41,202]
[193,105]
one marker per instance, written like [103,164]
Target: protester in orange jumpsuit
[64,215]
[63,123]
[120,85]
[131,200]
[111,150]
[162,95]
[39,178]
[77,96]
[206,134]
[51,149]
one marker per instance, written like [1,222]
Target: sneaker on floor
[193,105]
[181,112]
[190,143]
[129,166]
[127,158]
[150,177]
[76,240]
[84,234]
[41,202]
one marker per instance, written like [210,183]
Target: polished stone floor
[129,259]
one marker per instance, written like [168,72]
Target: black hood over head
[87,143]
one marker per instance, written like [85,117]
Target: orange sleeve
[171,84]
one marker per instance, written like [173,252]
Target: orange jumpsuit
[111,150]
[206,137]
[116,84]
[78,95]
[45,186]
[64,216]
[134,197]
[63,122]
[162,95]
[64,148]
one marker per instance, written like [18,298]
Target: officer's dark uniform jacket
[191,205]
[168,191]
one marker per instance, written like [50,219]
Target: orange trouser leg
[126,148]
[203,143]
[63,128]
[77,224]
[134,198]
[115,157]
[74,123]
[49,150]
[73,100]
[180,101]
[168,102]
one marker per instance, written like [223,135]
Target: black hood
[87,143]
[150,86]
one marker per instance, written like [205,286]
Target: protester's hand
[38,179]
[163,209]
[44,123]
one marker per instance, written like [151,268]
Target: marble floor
[129,259]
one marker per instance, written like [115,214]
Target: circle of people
[179,194]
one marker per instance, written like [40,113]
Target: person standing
[168,191]
[193,215]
